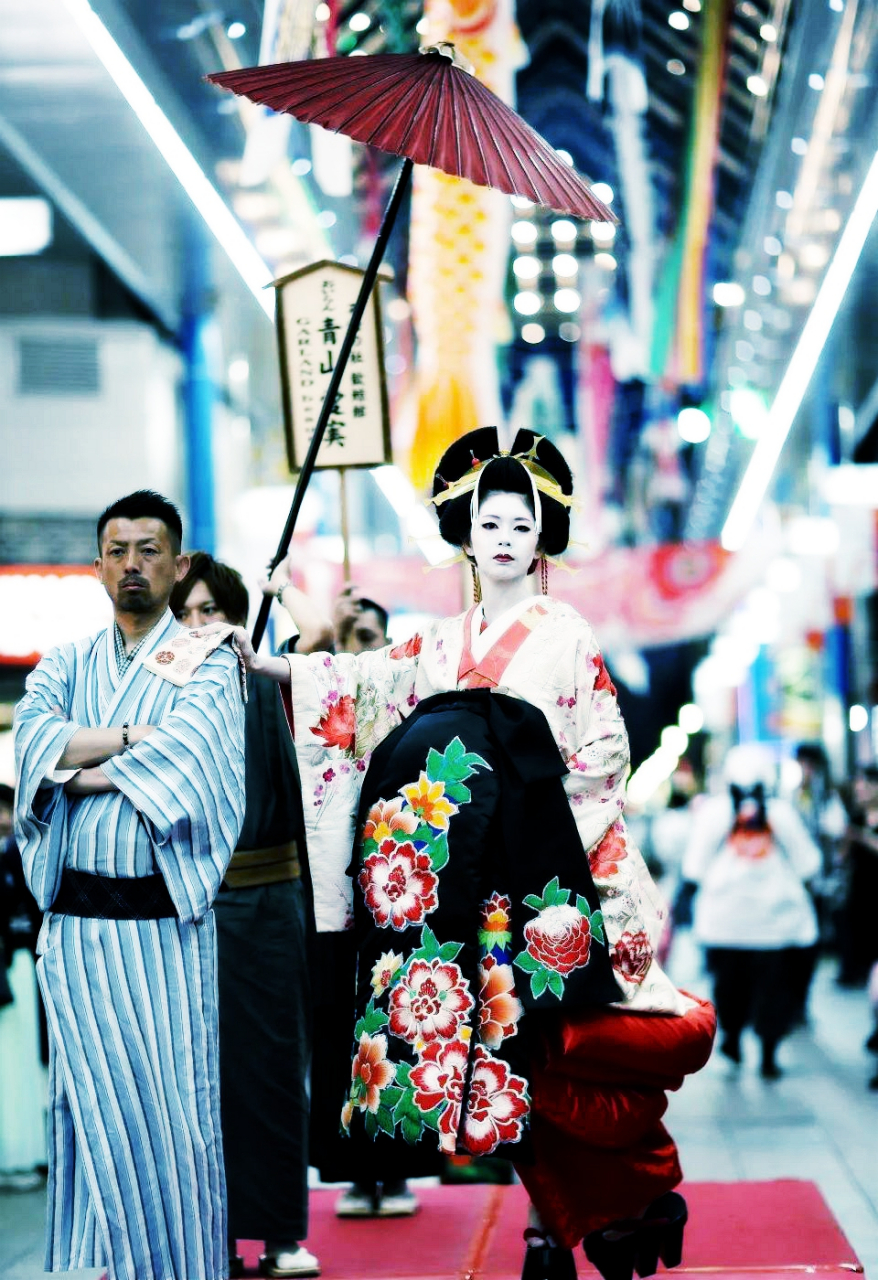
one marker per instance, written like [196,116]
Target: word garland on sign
[314,309]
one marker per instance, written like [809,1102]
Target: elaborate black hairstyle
[503,473]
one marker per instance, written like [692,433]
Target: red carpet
[746,1230]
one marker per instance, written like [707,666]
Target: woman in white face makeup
[505,922]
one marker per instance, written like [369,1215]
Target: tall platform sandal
[637,1244]
[544,1260]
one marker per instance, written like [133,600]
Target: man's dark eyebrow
[120,542]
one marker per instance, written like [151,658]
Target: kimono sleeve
[40,738]
[343,706]
[634,912]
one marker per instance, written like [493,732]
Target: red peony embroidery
[632,956]
[559,938]
[430,1002]
[410,649]
[398,885]
[605,856]
[439,1079]
[603,680]
[495,1107]
[338,726]
[499,1007]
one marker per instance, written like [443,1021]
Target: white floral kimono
[541,651]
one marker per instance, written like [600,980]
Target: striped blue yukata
[136,1179]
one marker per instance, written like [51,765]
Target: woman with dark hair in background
[505,923]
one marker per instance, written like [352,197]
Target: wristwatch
[279,591]
[126,745]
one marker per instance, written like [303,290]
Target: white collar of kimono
[482,641]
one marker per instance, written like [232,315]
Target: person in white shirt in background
[751,856]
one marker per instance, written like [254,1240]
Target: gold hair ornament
[540,478]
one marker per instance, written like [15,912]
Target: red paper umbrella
[428,108]
[431,110]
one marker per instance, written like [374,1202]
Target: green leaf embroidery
[439,854]
[556,985]
[373,1019]
[533,901]
[385,1120]
[431,1118]
[539,981]
[391,1095]
[429,948]
[524,960]
[371,1124]
[411,1130]
[582,906]
[402,1073]
[596,922]
[450,951]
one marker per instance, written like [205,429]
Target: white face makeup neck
[504,543]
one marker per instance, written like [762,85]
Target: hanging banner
[313,309]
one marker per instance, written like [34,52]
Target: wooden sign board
[313,310]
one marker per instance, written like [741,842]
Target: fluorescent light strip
[791,391]
[231,236]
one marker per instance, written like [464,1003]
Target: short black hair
[140,505]
[503,474]
[371,606]
[224,583]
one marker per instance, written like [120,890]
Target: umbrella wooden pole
[369,277]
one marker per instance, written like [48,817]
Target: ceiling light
[567,300]
[744,351]
[526,267]
[323,13]
[359,22]
[564,155]
[815,81]
[527,303]
[604,232]
[605,261]
[783,200]
[748,411]
[694,6]
[786,266]
[422,26]
[676,67]
[858,718]
[728,293]
[326,218]
[814,255]
[398,309]
[761,286]
[568,331]
[690,718]
[604,192]
[524,233]
[693,425]
[520,202]
[25,226]
[752,321]
[533,333]
[757,86]
[563,230]
[678,20]
[207,200]
[801,367]
[674,739]
[798,146]
[300,167]
[564,264]
[772,246]
[768,32]
[235,30]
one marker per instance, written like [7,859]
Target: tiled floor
[818,1122]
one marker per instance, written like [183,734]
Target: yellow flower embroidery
[383,970]
[428,801]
